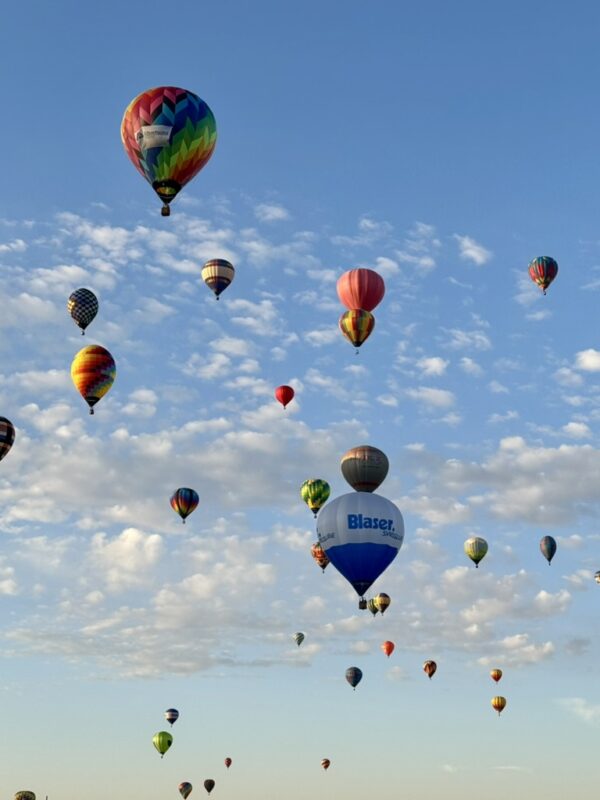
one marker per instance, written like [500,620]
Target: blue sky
[444,145]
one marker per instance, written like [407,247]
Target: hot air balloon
[299,638]
[365,467]
[597,576]
[361,533]
[499,704]
[388,648]
[284,394]
[548,547]
[162,741]
[360,288]
[217,274]
[429,668]
[353,676]
[171,715]
[82,305]
[496,674]
[24,794]
[382,601]
[7,436]
[315,492]
[476,548]
[184,501]
[372,606]
[543,270]
[169,134]
[228,762]
[93,372]
[325,763]
[185,789]
[319,555]
[357,325]
[209,785]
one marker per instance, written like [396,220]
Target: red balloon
[284,394]
[360,288]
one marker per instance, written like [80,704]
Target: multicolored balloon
[319,555]
[285,395]
[185,789]
[354,676]
[184,501]
[357,325]
[548,548]
[228,762]
[162,741]
[217,274]
[382,601]
[362,534]
[495,674]
[364,467]
[169,134]
[499,704]
[429,668]
[299,638]
[315,493]
[325,763]
[542,271]
[93,372]
[372,606]
[388,648]
[597,576]
[82,305]
[209,785]
[476,548]
[360,288]
[7,436]
[24,794]
[171,715]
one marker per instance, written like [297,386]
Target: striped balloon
[325,763]
[184,501]
[542,271]
[476,548]
[7,436]
[499,704]
[299,638]
[357,325]
[315,493]
[171,715]
[382,601]
[93,372]
[495,675]
[360,288]
[217,274]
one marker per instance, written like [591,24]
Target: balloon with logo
[357,325]
[495,675]
[382,601]
[169,134]
[162,741]
[319,555]
[299,638]
[325,763]
[548,548]
[362,534]
[217,274]
[499,704]
[284,394]
[93,372]
[364,467]
[185,789]
[7,436]
[542,271]
[360,288]
[82,305]
[315,492]
[209,785]
[354,676]
[184,501]
[476,548]
[228,762]
[171,715]
[388,648]
[429,668]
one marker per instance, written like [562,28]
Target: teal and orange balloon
[7,436]
[82,305]
[93,372]
[217,274]
[169,134]
[542,271]
[184,501]
[357,325]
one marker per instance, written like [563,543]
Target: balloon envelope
[429,668]
[7,436]
[93,372]
[185,789]
[357,325]
[372,606]
[184,501]
[597,576]
[24,794]
[498,704]
[496,674]
[82,305]
[171,715]
[365,467]
[388,648]
[209,785]
[325,763]
[217,274]
[360,288]
[354,676]
[476,548]
[361,533]
[315,493]
[228,762]
[382,601]
[319,555]
[548,547]
[162,741]
[542,271]
[299,638]
[285,394]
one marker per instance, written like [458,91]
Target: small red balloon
[285,395]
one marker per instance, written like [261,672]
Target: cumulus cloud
[588,360]
[470,250]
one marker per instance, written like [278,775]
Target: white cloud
[432,366]
[470,250]
[470,367]
[582,709]
[576,430]
[457,339]
[435,398]
[271,212]
[588,360]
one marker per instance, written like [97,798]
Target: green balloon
[162,741]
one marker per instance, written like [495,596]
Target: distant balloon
[315,492]
[382,601]
[325,763]
[285,395]
[228,762]
[362,534]
[354,676]
[299,638]
[7,436]
[372,606]
[185,789]
[388,648]
[24,794]
[365,467]
[209,785]
[357,325]
[162,741]
[548,547]
[543,270]
[93,372]
[429,668]
[171,715]
[82,305]
[597,576]
[217,274]
[496,674]
[499,704]
[184,501]
[476,548]
[360,288]
[319,555]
